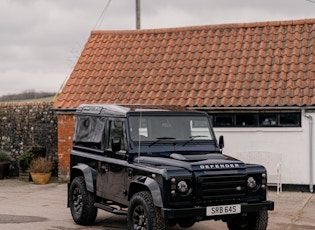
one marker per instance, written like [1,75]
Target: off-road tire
[253,221]
[143,214]
[81,202]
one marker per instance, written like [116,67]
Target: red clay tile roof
[236,65]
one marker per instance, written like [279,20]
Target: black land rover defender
[160,167]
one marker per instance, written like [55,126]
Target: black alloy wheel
[81,202]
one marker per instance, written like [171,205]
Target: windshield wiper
[158,139]
[192,138]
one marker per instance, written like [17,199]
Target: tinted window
[117,129]
[89,130]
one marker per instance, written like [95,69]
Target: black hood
[194,162]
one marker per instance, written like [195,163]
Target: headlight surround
[256,182]
[258,192]
[180,187]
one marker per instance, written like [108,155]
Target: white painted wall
[290,146]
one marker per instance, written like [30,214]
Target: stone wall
[23,125]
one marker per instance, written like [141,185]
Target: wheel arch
[87,172]
[146,184]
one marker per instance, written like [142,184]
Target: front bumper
[169,213]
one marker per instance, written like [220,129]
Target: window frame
[193,127]
[276,119]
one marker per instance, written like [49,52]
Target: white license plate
[223,210]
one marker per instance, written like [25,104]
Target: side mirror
[221,142]
[116,144]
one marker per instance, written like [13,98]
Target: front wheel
[142,214]
[253,221]
[81,202]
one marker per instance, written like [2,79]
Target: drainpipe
[310,119]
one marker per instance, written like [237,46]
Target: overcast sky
[41,40]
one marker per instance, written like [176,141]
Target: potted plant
[26,158]
[40,170]
[5,161]
[24,164]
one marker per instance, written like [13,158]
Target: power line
[101,17]
[312,1]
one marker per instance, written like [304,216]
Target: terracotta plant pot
[41,178]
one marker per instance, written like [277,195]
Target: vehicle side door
[112,176]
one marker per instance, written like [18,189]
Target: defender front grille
[220,189]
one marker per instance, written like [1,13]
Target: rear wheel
[253,221]
[81,202]
[143,215]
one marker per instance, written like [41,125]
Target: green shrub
[25,161]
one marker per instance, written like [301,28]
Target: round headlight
[182,186]
[251,183]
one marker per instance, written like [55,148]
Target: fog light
[251,183]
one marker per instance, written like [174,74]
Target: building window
[245,119]
[256,119]
[223,120]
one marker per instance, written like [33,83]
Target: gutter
[66,111]
[310,119]
[255,108]
[63,109]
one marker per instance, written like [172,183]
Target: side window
[117,129]
[89,131]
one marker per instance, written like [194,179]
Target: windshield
[174,128]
